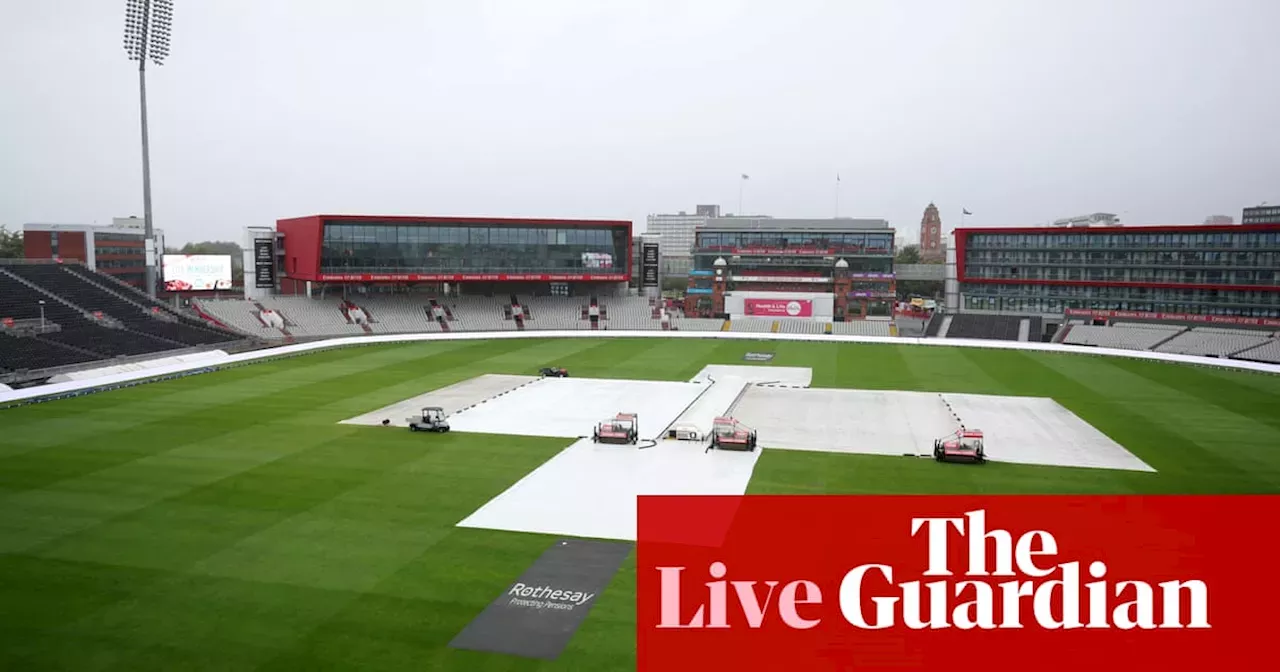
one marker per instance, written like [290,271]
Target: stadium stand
[548,312]
[1214,341]
[802,327]
[398,314]
[631,313]
[1034,329]
[697,324]
[861,328]
[752,325]
[1126,337]
[1171,328]
[988,327]
[1268,352]
[911,327]
[71,325]
[310,317]
[242,315]
[391,314]
[88,317]
[86,289]
[934,326]
[20,353]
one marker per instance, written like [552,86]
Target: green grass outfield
[226,522]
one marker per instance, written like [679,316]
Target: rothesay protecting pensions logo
[1023,585]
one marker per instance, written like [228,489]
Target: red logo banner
[956,583]
[1173,317]
[473,277]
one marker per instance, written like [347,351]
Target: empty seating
[696,324]
[397,314]
[1124,338]
[862,328]
[912,327]
[240,315]
[33,353]
[1267,352]
[1172,328]
[77,329]
[312,317]
[987,327]
[413,314]
[1035,331]
[633,312]
[205,332]
[802,327]
[81,289]
[752,325]
[1214,341]
[934,325]
[556,313]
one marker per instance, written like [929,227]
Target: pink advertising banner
[778,307]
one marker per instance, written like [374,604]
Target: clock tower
[931,235]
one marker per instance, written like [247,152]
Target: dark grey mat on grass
[537,615]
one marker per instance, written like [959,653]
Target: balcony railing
[37,262]
[465,270]
[1131,278]
[1161,264]
[975,245]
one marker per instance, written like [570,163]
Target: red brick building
[931,248]
[117,250]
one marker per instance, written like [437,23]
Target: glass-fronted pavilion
[1228,270]
[370,249]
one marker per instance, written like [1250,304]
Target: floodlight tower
[146,38]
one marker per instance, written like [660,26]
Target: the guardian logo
[1037,591]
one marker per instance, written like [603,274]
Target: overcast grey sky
[1022,111]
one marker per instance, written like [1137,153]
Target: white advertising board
[196,272]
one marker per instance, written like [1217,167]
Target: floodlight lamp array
[147,29]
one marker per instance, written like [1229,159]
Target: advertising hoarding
[1173,317]
[778,307]
[196,272]
[781,278]
[472,277]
